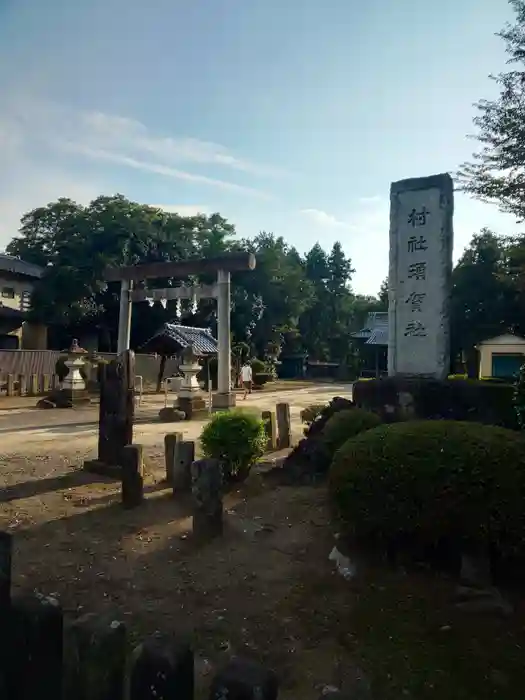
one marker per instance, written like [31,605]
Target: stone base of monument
[221,402]
[192,406]
[65,398]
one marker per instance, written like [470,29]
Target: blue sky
[290,116]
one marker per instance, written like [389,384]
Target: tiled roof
[376,330]
[8,263]
[172,338]
[379,336]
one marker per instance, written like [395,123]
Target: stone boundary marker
[44,655]
[283,426]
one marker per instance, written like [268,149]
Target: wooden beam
[231,262]
[201,291]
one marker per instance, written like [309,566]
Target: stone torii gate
[223,266]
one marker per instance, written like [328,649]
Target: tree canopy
[497,171]
[300,303]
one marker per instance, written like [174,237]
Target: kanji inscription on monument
[421,238]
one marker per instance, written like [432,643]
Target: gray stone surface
[184,454]
[206,489]
[284,430]
[421,240]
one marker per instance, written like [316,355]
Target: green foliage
[258,366]
[497,171]
[429,482]
[262,378]
[344,425]
[519,397]
[237,438]
[281,304]
[480,401]
[310,413]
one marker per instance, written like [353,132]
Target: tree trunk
[160,376]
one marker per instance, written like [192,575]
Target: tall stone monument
[421,239]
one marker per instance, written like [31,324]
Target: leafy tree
[497,173]
[383,294]
[480,295]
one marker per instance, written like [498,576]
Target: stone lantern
[72,390]
[74,382]
[190,397]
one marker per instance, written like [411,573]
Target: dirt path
[241,594]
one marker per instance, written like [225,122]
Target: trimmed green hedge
[480,401]
[429,482]
[346,424]
[237,438]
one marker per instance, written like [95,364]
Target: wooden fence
[44,656]
[27,384]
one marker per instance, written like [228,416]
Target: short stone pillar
[270,427]
[184,454]
[190,397]
[283,425]
[170,440]
[132,476]
[243,679]
[206,489]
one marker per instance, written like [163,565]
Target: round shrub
[430,482]
[344,425]
[237,438]
[310,413]
[258,366]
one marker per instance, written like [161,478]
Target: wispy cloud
[130,143]
[322,218]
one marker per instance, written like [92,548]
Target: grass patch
[411,642]
[414,643]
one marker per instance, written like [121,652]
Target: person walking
[247,379]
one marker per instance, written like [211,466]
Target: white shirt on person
[246,373]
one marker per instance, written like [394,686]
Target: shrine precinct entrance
[222,266]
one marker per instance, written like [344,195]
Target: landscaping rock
[308,461]
[169,414]
[477,600]
[475,570]
[45,404]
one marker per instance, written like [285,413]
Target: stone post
[283,425]
[270,426]
[10,384]
[22,385]
[35,648]
[224,398]
[182,461]
[170,440]
[94,659]
[6,553]
[160,671]
[34,388]
[242,679]
[46,384]
[206,477]
[132,476]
